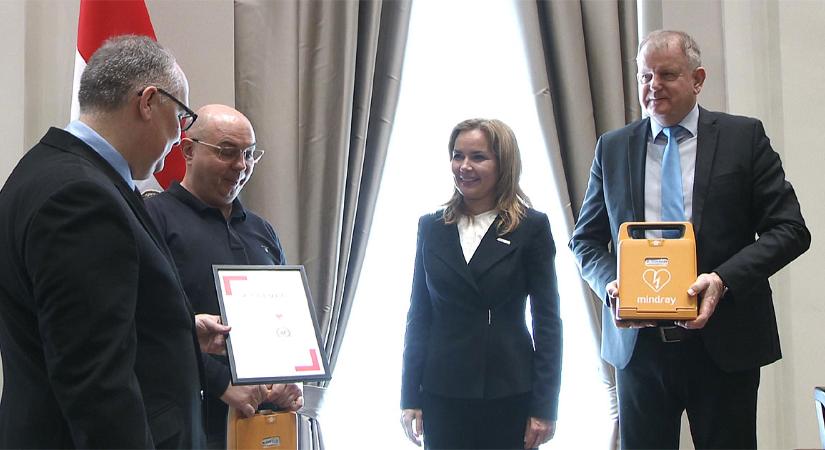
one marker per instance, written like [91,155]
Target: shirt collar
[187,198]
[481,220]
[487,215]
[103,148]
[690,123]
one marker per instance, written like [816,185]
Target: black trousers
[663,380]
[455,423]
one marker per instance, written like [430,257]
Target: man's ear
[148,99]
[187,148]
[699,75]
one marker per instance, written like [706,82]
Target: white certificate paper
[275,336]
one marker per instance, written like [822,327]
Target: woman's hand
[538,431]
[407,418]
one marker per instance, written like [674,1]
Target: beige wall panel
[201,35]
[12,53]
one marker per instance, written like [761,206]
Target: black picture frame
[262,346]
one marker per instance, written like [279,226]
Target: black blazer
[97,337]
[739,191]
[466,333]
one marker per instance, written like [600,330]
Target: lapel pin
[503,241]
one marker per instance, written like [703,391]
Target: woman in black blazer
[472,375]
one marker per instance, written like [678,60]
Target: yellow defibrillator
[657,265]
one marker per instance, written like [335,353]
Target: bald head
[216,168]
[219,119]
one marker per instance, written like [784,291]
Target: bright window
[464,59]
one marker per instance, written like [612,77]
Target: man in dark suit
[98,340]
[748,225]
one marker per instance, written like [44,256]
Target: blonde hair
[511,202]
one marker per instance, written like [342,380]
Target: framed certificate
[275,336]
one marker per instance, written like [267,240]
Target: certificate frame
[283,345]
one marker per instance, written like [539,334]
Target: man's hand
[288,397]
[245,399]
[538,431]
[613,295]
[211,333]
[711,289]
[407,418]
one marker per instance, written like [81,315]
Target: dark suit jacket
[466,332]
[739,192]
[97,338]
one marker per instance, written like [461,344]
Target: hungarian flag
[99,20]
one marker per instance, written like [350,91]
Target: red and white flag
[99,20]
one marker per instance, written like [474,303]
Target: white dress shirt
[471,229]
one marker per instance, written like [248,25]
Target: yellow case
[266,429]
[655,273]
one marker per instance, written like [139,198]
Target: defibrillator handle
[636,230]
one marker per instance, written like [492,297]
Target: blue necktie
[673,203]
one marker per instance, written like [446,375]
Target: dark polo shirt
[199,236]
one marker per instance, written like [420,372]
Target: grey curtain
[320,80]
[582,56]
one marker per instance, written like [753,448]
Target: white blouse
[472,229]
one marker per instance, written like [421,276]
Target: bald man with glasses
[204,223]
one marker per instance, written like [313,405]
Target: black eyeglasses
[250,154]
[187,117]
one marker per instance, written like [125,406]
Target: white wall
[765,59]
[38,52]
[800,58]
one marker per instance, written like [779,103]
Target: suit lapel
[636,153]
[491,249]
[708,133]
[136,203]
[447,247]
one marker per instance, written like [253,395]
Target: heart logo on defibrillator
[656,279]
